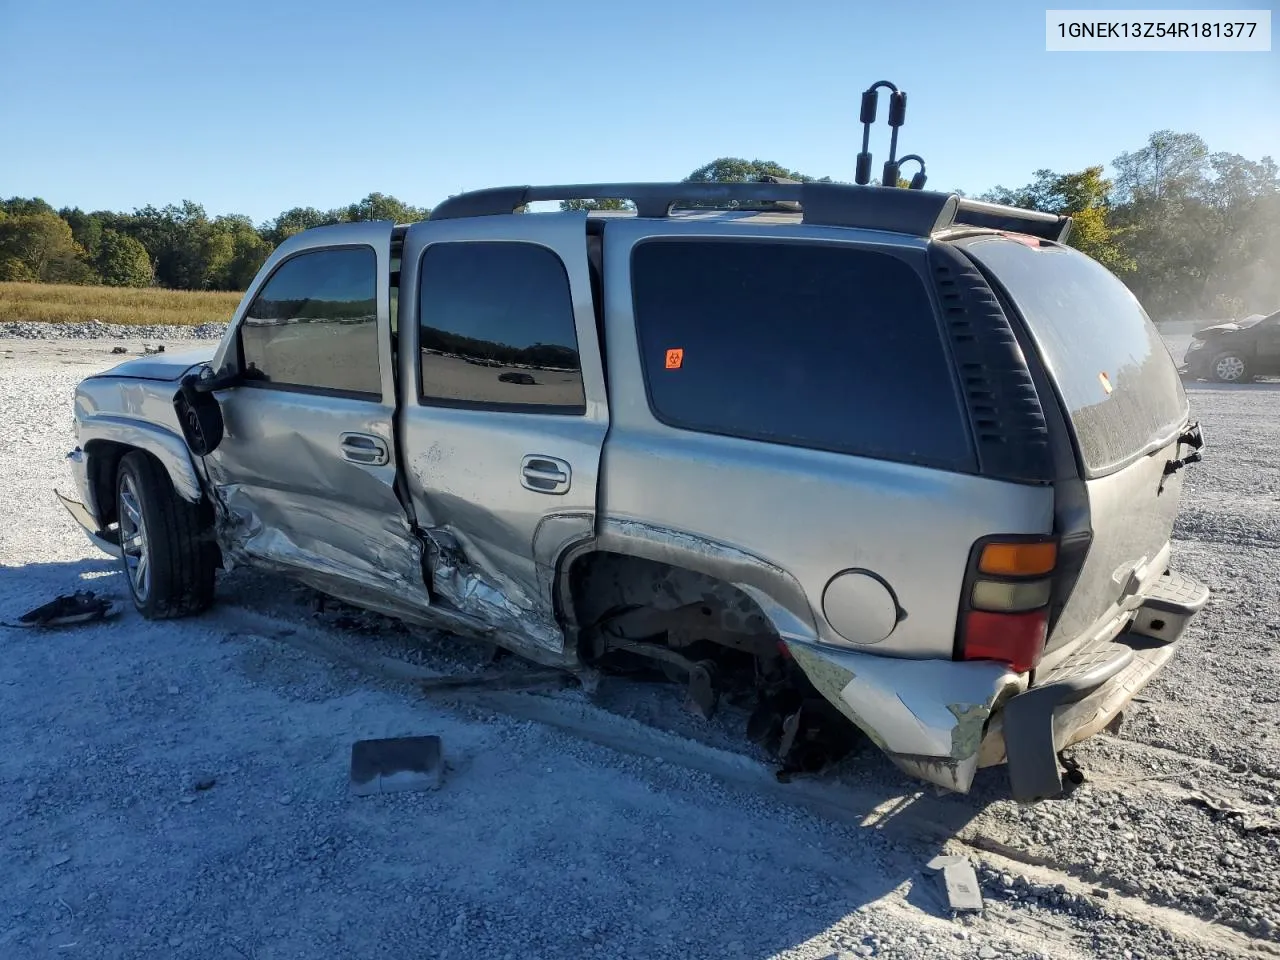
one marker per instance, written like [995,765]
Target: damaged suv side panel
[305,478]
[501,471]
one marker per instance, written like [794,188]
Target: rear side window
[497,328]
[1113,371]
[825,346]
[314,325]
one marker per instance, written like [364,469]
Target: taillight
[1004,610]
[1014,638]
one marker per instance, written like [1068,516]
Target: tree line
[179,246]
[1193,233]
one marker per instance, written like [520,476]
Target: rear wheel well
[634,615]
[603,582]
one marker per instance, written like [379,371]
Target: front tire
[1229,367]
[167,555]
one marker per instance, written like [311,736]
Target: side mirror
[206,381]
[198,411]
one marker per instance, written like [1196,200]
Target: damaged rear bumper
[928,716]
[940,720]
[1080,696]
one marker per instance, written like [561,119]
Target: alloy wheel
[133,540]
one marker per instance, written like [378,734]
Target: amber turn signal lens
[1018,559]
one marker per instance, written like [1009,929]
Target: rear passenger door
[306,472]
[503,409]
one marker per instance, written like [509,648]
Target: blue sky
[257,107]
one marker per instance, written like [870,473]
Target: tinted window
[496,327]
[814,345]
[315,324]
[1114,373]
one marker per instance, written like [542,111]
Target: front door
[503,411]
[306,472]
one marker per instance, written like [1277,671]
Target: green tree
[380,206]
[240,252]
[737,170]
[1170,163]
[86,228]
[38,246]
[607,204]
[1200,226]
[190,252]
[17,206]
[295,220]
[122,261]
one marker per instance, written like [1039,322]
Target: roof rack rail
[919,213]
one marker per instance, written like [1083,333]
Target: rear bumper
[1084,693]
[940,720]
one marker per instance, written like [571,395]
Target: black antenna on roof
[870,102]
[897,117]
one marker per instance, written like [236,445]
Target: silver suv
[887,459]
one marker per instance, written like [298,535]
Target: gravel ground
[542,844]
[97,330]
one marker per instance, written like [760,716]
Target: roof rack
[919,213]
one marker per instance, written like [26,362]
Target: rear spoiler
[1046,226]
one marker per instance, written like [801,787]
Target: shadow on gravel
[650,851]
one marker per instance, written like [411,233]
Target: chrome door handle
[545,474]
[362,448]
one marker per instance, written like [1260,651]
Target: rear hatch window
[1114,373]
[827,346]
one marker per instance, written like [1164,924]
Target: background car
[1235,352]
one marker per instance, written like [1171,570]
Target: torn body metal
[929,716]
[382,569]
[463,580]
[326,548]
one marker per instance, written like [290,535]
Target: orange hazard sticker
[1106,382]
[675,358]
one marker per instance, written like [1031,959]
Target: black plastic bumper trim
[1030,750]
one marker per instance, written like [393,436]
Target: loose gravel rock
[97,330]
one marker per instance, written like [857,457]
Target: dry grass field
[64,303]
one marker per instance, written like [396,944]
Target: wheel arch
[106,440]
[641,562]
